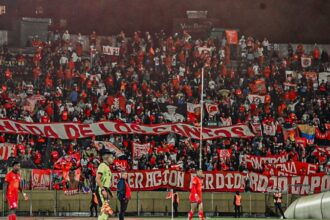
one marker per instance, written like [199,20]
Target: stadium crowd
[62,83]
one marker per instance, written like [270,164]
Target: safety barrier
[55,203]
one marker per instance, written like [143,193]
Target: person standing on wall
[123,193]
[103,181]
[237,204]
[278,202]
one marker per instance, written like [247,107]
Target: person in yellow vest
[278,202]
[237,204]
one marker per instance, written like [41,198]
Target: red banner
[40,179]
[224,181]
[295,168]
[121,165]
[232,36]
[140,149]
[79,130]
[256,162]
[323,135]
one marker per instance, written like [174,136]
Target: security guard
[278,202]
[237,204]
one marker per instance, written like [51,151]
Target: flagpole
[201,121]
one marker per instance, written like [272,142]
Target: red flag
[212,109]
[225,153]
[169,195]
[232,36]
[301,142]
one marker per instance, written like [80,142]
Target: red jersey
[196,188]
[13,180]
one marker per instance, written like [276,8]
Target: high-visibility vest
[277,198]
[238,200]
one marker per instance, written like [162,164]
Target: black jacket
[121,189]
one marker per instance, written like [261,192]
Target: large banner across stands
[78,130]
[224,181]
[213,182]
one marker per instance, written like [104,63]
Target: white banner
[256,98]
[108,50]
[140,149]
[78,130]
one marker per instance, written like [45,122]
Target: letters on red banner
[224,181]
[40,179]
[294,168]
[78,130]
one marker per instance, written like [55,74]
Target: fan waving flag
[212,109]
[307,132]
[193,112]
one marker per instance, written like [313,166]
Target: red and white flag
[225,153]
[140,149]
[256,98]
[6,149]
[108,145]
[269,128]
[212,109]
[193,112]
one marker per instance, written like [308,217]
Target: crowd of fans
[61,82]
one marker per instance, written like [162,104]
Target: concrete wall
[148,202]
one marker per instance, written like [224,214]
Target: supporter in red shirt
[195,196]
[11,188]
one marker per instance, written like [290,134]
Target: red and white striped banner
[79,130]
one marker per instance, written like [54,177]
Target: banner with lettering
[121,165]
[257,162]
[224,181]
[79,130]
[40,179]
[138,150]
[108,50]
[295,168]
[6,150]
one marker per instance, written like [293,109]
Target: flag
[269,128]
[225,153]
[212,109]
[307,132]
[306,62]
[169,195]
[108,145]
[193,112]
[232,36]
[256,98]
[301,142]
[289,133]
[117,102]
[140,149]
